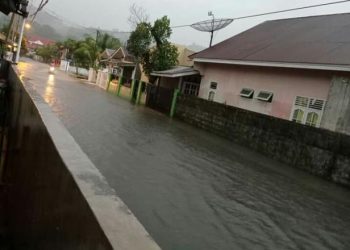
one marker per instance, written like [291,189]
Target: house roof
[43,40]
[177,71]
[107,53]
[317,40]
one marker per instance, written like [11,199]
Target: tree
[140,40]
[70,45]
[106,41]
[48,52]
[161,57]
[137,15]
[85,54]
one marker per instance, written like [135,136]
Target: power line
[294,9]
[41,6]
[275,12]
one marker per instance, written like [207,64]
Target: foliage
[137,15]
[106,41]
[48,52]
[86,53]
[140,40]
[163,56]
[5,28]
[161,31]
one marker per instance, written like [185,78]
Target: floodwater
[190,189]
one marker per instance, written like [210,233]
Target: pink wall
[286,84]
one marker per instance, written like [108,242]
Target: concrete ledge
[65,201]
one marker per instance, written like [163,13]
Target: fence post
[173,104]
[109,82]
[132,88]
[138,97]
[120,84]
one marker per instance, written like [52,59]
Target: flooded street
[190,189]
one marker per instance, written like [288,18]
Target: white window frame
[250,95]
[193,88]
[307,109]
[269,99]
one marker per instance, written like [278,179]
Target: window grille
[298,116]
[247,93]
[308,111]
[213,85]
[312,119]
[191,88]
[211,96]
[265,96]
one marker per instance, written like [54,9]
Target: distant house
[182,77]
[122,74]
[296,69]
[129,80]
[34,42]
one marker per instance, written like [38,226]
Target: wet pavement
[190,189]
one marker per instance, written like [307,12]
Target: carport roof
[177,71]
[317,40]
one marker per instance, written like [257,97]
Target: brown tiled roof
[316,40]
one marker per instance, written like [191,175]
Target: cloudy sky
[113,14]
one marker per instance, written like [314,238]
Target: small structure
[180,79]
[125,75]
[35,42]
[295,69]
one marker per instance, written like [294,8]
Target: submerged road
[190,189]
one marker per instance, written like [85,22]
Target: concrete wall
[320,152]
[57,199]
[337,113]
[286,84]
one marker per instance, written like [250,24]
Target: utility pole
[18,52]
[212,28]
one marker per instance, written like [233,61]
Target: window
[312,119]
[298,116]
[308,111]
[265,96]
[301,101]
[213,85]
[247,93]
[211,96]
[191,88]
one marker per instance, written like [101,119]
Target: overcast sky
[113,14]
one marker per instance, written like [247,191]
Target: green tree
[70,46]
[106,41]
[140,41]
[48,52]
[86,53]
[161,57]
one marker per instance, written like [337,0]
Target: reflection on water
[192,190]
[49,90]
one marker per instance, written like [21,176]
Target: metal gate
[159,98]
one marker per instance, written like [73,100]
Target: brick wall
[320,152]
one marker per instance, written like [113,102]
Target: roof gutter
[174,75]
[328,67]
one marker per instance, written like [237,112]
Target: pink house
[295,69]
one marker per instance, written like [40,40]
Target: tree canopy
[163,55]
[48,52]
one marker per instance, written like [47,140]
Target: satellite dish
[212,25]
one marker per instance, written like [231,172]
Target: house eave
[326,67]
[174,75]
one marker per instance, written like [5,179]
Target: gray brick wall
[320,152]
